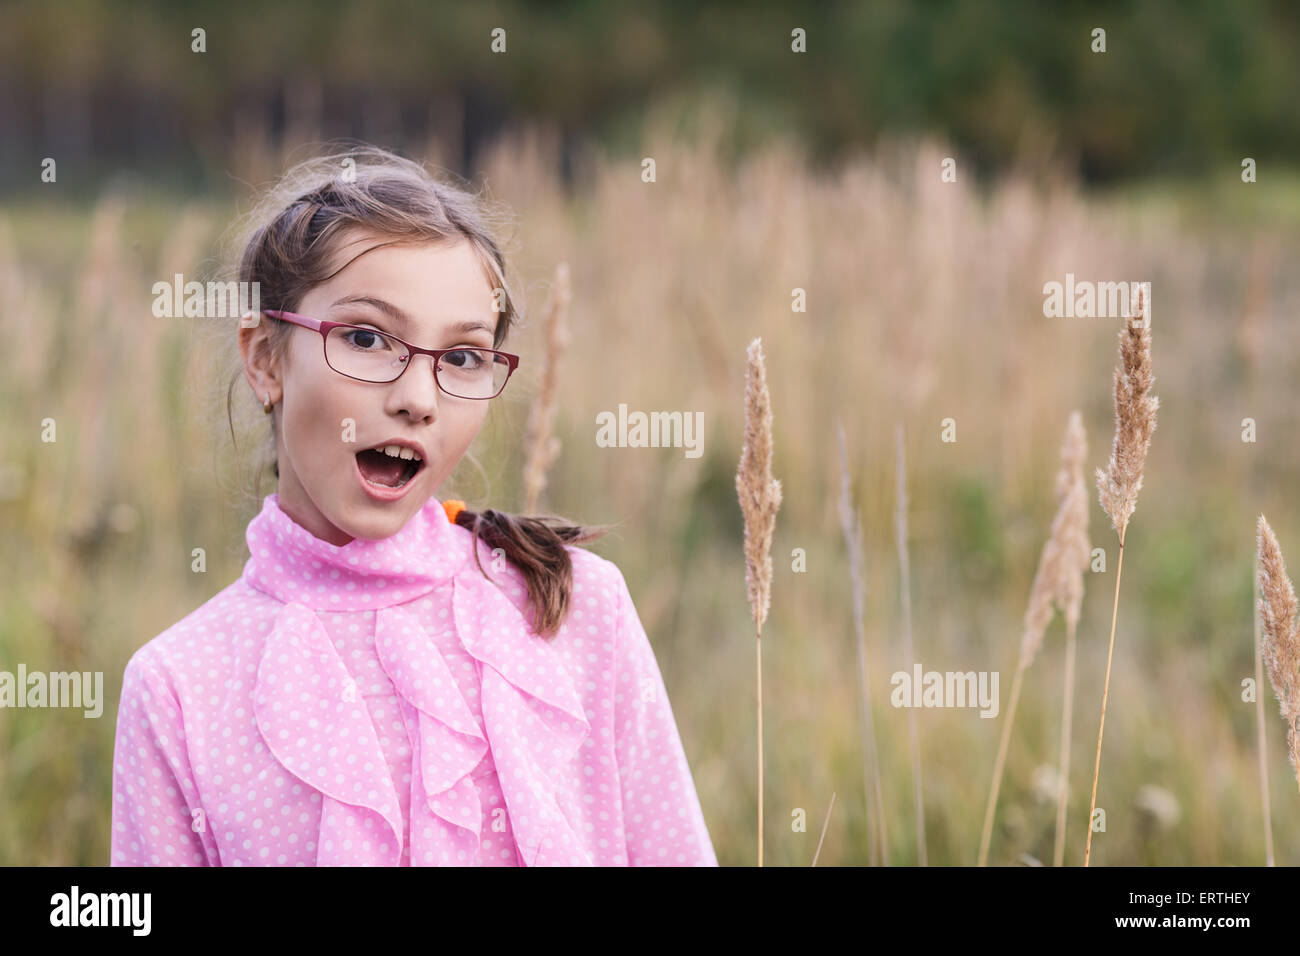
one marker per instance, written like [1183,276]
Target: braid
[537,547]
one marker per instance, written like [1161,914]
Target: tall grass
[851,526]
[1277,611]
[1058,583]
[760,498]
[1260,732]
[1069,596]
[541,447]
[909,651]
[1118,486]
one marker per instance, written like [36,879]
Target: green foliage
[1183,87]
[974,530]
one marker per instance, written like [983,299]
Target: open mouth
[389,466]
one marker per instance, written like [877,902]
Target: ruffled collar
[316,724]
[290,563]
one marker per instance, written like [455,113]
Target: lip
[391,494]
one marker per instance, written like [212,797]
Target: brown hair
[289,239]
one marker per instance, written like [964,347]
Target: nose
[415,393]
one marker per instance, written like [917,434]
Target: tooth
[393,450]
[407,453]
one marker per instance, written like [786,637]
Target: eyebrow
[405,322]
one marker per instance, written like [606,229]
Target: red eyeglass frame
[324,327]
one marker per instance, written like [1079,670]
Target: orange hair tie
[453,508]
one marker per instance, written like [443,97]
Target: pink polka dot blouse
[385,704]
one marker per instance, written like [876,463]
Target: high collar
[290,563]
[305,701]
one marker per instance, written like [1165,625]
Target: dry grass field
[924,302]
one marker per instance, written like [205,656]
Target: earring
[266,403]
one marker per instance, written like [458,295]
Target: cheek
[315,410]
[465,423]
[456,430]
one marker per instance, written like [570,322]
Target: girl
[394,680]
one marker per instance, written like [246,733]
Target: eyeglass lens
[370,355]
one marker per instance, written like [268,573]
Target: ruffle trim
[307,707]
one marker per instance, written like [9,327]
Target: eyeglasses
[369,355]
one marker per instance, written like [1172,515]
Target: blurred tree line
[1182,87]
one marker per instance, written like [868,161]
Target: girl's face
[325,418]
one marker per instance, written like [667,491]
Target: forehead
[434,283]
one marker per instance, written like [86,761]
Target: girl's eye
[466,359]
[365,339]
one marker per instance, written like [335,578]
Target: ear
[260,367]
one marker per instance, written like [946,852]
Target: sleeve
[662,819]
[153,788]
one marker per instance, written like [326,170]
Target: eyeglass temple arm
[295,318]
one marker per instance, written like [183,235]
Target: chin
[375,520]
